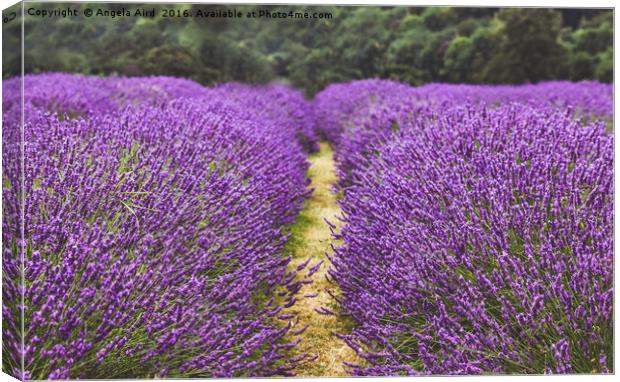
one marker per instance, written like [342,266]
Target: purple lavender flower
[478,226]
[154,226]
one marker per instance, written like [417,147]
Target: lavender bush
[277,103]
[477,236]
[154,228]
[82,96]
[478,233]
[11,232]
[360,116]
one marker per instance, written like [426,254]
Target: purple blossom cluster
[155,220]
[78,95]
[278,103]
[478,232]
[152,214]
[360,116]
[591,98]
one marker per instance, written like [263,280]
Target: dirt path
[311,238]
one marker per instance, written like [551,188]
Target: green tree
[458,59]
[172,61]
[604,70]
[411,44]
[531,50]
[581,66]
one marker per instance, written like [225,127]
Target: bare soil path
[310,239]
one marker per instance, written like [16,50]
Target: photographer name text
[175,13]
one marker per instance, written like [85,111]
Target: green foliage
[170,60]
[530,50]
[581,66]
[413,45]
[438,19]
[458,59]
[604,70]
[592,48]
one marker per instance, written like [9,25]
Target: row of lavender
[478,226]
[154,213]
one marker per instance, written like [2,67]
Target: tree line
[411,44]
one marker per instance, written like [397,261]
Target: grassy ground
[311,238]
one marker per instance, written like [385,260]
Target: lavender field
[153,228]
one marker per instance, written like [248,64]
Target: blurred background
[411,44]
